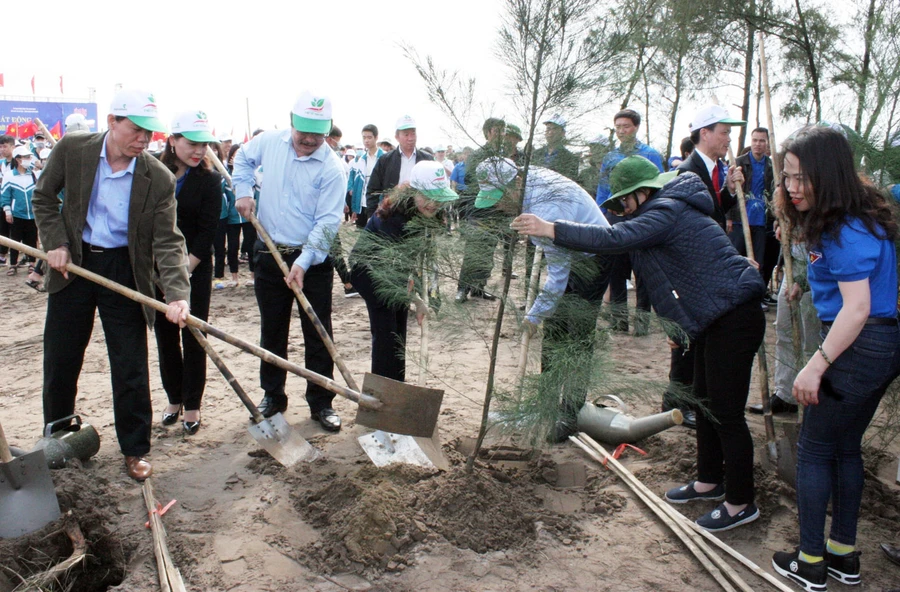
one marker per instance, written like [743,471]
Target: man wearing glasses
[301,205]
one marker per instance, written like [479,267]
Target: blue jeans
[829,463]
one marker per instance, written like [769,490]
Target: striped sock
[838,549]
[810,558]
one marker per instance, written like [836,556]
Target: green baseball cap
[631,174]
[138,106]
[494,174]
[513,130]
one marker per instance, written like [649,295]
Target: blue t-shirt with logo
[895,191]
[859,256]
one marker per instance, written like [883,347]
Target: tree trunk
[811,60]
[866,71]
[675,104]
[748,76]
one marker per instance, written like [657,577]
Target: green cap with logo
[631,174]
[140,107]
[429,178]
[311,114]
[193,125]
[494,175]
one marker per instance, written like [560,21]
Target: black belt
[871,321]
[283,249]
[89,248]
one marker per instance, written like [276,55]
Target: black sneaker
[687,493]
[812,577]
[719,519]
[844,568]
[350,292]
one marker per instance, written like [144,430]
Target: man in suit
[118,221]
[394,168]
[711,135]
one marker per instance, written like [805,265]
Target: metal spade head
[27,495]
[282,442]
[406,409]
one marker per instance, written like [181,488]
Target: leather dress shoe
[893,553]
[138,468]
[191,427]
[170,418]
[480,293]
[328,419]
[272,404]
[778,404]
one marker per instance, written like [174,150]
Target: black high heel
[171,418]
[190,427]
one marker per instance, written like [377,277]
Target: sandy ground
[548,520]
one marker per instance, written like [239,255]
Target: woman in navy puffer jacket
[698,280]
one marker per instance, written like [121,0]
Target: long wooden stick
[768,420]
[169,576]
[530,295]
[47,135]
[423,340]
[634,482]
[362,399]
[703,556]
[304,303]
[783,221]
[229,377]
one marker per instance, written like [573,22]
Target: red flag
[56,130]
[1,79]
[60,85]
[27,129]
[246,138]
[158,137]
[32,85]
[12,130]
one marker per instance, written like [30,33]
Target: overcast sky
[268,52]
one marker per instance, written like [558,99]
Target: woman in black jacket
[383,260]
[198,192]
[698,280]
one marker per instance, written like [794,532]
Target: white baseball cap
[440,148]
[311,113]
[713,114]
[224,138]
[44,154]
[405,122]
[430,178]
[601,138]
[26,151]
[493,174]
[557,119]
[193,125]
[140,107]
[76,122]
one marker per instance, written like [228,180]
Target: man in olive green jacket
[118,220]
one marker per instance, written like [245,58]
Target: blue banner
[48,112]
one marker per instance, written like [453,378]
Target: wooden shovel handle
[5,455]
[363,400]
[304,303]
[229,377]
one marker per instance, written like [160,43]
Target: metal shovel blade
[406,409]
[385,448]
[787,454]
[27,495]
[282,442]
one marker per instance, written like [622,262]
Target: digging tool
[384,404]
[761,354]
[529,301]
[27,494]
[304,303]
[274,434]
[787,445]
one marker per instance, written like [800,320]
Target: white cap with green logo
[430,178]
[140,107]
[193,125]
[311,114]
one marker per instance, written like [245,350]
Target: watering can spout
[615,427]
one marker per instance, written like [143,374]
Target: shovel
[384,404]
[274,434]
[27,494]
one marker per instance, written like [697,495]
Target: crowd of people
[165,224]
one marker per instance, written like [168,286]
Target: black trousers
[231,232]
[23,231]
[249,244]
[4,231]
[618,294]
[276,301]
[723,361]
[67,331]
[337,258]
[568,346]
[183,372]
[388,325]
[757,235]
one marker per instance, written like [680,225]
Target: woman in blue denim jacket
[852,274]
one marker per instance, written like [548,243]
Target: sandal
[12,271]
[36,284]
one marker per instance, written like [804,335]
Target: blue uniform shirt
[617,155]
[859,256]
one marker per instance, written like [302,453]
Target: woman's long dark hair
[839,193]
[400,198]
[169,158]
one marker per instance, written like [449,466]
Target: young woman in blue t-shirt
[852,274]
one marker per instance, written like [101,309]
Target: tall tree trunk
[748,76]
[811,60]
[675,104]
[866,71]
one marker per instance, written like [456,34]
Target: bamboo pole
[424,337]
[47,135]
[169,576]
[529,301]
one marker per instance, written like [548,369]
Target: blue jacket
[693,272]
[16,193]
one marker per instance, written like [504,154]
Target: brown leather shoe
[138,468]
